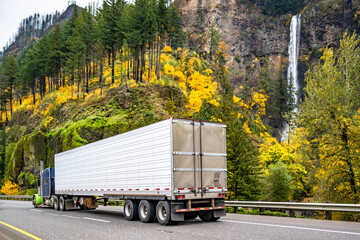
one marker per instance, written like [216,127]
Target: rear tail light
[180,196]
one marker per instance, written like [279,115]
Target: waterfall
[293,66]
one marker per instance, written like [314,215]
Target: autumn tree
[242,162]
[278,183]
[11,68]
[329,114]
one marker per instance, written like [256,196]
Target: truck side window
[46,181]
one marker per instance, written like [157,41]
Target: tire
[191,215]
[34,202]
[52,201]
[208,216]
[163,213]
[62,206]
[131,210]
[146,211]
[56,203]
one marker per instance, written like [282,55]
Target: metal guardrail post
[328,215]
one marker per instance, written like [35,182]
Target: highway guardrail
[16,197]
[293,206]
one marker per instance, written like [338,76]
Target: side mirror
[38,182]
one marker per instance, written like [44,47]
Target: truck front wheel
[56,203]
[163,213]
[34,202]
[130,210]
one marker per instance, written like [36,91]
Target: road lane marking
[95,219]
[52,214]
[70,216]
[34,210]
[21,231]
[292,227]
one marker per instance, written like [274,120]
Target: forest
[128,52]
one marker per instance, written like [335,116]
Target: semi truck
[168,172]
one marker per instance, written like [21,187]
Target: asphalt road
[109,223]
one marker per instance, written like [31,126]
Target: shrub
[278,183]
[10,188]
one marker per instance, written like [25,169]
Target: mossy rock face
[54,146]
[116,125]
[20,117]
[82,132]
[14,133]
[18,158]
[27,179]
[91,129]
[9,152]
[34,152]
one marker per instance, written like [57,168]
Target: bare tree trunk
[142,67]
[158,57]
[87,77]
[101,76]
[33,91]
[113,66]
[149,62]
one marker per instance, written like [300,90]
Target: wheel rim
[61,203]
[162,212]
[55,203]
[127,209]
[143,211]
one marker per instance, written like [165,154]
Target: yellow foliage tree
[10,188]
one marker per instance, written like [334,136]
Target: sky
[13,11]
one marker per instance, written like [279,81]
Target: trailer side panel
[136,162]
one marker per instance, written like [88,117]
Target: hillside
[58,123]
[33,28]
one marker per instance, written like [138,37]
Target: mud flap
[219,213]
[69,204]
[177,217]
[90,203]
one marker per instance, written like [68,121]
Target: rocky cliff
[251,35]
[248,33]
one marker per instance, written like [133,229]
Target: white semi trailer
[169,171]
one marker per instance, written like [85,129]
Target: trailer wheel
[56,203]
[163,213]
[62,204]
[146,211]
[130,210]
[191,215]
[208,216]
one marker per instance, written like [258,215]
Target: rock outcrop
[250,34]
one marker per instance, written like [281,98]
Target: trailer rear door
[199,154]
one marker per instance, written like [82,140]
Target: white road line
[34,210]
[52,214]
[94,219]
[70,216]
[292,227]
